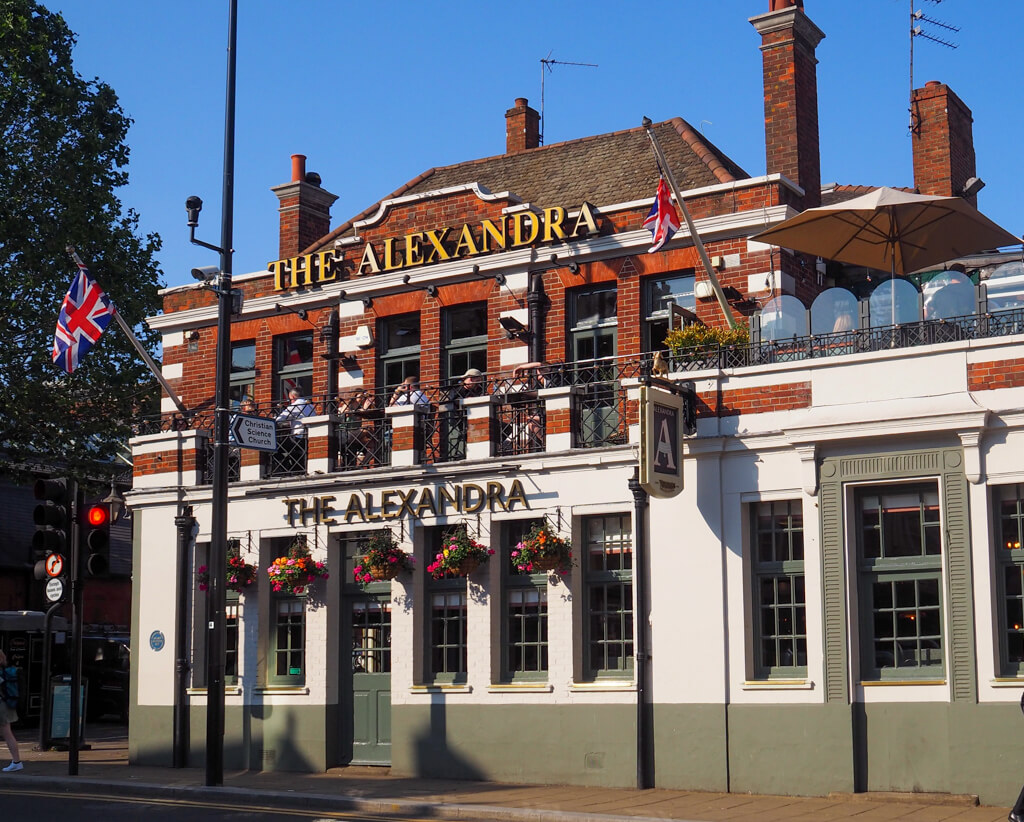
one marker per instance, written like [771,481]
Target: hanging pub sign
[661,442]
[522,228]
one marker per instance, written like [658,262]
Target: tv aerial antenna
[916,30]
[547,63]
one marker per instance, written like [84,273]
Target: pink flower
[367,578]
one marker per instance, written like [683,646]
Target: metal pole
[184,523]
[216,634]
[76,631]
[640,586]
[697,242]
[46,708]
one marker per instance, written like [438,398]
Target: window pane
[609,594]
[401,332]
[466,322]
[595,307]
[243,356]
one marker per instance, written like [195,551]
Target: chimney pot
[522,127]
[298,167]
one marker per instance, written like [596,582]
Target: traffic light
[96,538]
[52,515]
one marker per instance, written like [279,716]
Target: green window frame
[231,637]
[465,338]
[659,293]
[1009,556]
[594,323]
[608,596]
[243,372]
[399,350]
[899,535]
[447,621]
[293,365]
[524,597]
[777,572]
[288,641]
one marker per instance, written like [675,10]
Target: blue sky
[376,93]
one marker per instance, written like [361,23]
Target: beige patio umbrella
[890,230]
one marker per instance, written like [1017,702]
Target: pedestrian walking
[8,711]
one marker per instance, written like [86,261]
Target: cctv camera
[205,273]
[193,205]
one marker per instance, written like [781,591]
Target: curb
[242,798]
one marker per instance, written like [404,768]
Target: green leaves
[62,158]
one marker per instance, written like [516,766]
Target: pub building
[831,602]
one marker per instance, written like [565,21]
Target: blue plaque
[156,640]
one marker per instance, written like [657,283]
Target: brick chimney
[305,210]
[788,41]
[522,127]
[943,140]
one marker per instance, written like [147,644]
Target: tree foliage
[63,158]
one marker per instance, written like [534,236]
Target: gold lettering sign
[523,228]
[393,503]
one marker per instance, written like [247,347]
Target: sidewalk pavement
[104,768]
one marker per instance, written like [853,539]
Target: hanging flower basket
[294,573]
[383,559]
[240,576]
[460,555]
[542,551]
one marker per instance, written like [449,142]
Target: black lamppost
[217,596]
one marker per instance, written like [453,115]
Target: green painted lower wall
[689,747]
[566,744]
[805,750]
[257,737]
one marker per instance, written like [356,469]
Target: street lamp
[217,596]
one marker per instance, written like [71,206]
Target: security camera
[513,328]
[193,205]
[205,273]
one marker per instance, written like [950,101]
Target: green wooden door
[370,706]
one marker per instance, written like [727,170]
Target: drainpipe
[184,523]
[534,304]
[643,732]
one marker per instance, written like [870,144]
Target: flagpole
[667,171]
[153,367]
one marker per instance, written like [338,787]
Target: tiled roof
[608,168]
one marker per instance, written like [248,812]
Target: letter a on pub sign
[661,442]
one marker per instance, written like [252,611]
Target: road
[36,806]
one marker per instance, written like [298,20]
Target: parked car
[106,664]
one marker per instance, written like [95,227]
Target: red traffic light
[97,515]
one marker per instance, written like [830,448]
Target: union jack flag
[663,221]
[84,316]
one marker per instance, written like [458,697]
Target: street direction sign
[54,589]
[253,432]
[54,565]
